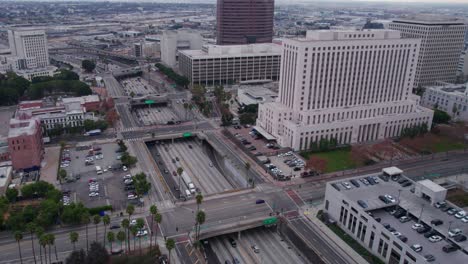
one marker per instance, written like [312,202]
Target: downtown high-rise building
[442,41]
[30,46]
[244,21]
[352,86]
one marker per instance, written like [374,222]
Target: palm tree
[43,244]
[121,238]
[18,238]
[170,245]
[126,225]
[96,221]
[153,211]
[85,220]
[158,219]
[52,242]
[130,210]
[31,228]
[200,219]
[106,222]
[180,170]
[134,230]
[111,238]
[73,239]
[199,199]
[39,232]
[49,243]
[140,224]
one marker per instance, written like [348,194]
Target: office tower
[244,21]
[25,143]
[172,41]
[353,86]
[30,46]
[441,45]
[218,65]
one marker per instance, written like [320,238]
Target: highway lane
[125,116]
[166,129]
[113,86]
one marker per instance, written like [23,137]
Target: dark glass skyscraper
[244,21]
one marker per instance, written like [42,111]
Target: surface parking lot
[156,115]
[111,187]
[138,86]
[190,156]
[271,248]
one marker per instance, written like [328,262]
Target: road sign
[270,221]
[187,134]
[149,102]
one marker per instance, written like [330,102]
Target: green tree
[31,228]
[199,199]
[96,221]
[62,174]
[111,239]
[180,170]
[73,239]
[128,160]
[200,219]
[134,231]
[153,211]
[121,237]
[170,245]
[106,222]
[18,238]
[43,244]
[126,225]
[88,65]
[140,224]
[11,194]
[158,219]
[440,117]
[39,233]
[141,184]
[76,257]
[97,254]
[52,242]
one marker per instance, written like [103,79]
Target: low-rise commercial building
[382,213]
[451,98]
[219,65]
[255,94]
[6,173]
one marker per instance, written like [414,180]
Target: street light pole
[420,215]
[450,225]
[399,193]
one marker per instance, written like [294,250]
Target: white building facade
[173,41]
[30,45]
[353,86]
[451,98]
[441,45]
[219,65]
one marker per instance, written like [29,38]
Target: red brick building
[25,143]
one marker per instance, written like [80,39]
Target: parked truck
[188,182]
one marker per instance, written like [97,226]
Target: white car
[465,219]
[133,222]
[142,232]
[127,177]
[132,196]
[460,214]
[416,247]
[390,198]
[395,233]
[93,194]
[346,185]
[454,232]
[434,239]
[416,226]
[124,168]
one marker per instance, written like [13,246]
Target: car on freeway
[232,242]
[255,248]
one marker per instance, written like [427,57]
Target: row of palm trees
[46,241]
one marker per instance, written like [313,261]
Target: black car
[403,238]
[399,213]
[387,226]
[114,227]
[449,248]
[406,184]
[232,242]
[402,180]
[384,199]
[423,229]
[445,209]
[430,233]
[429,258]
[355,183]
[437,222]
[460,238]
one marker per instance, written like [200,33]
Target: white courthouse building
[451,98]
[354,86]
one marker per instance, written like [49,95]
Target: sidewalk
[310,213]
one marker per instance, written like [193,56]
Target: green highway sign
[187,134]
[149,102]
[270,221]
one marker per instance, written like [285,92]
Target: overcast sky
[278,1]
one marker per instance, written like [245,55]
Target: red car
[174,173]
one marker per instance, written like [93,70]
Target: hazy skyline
[278,1]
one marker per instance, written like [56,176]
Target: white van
[98,170]
[188,195]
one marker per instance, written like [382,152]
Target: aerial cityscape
[233,131]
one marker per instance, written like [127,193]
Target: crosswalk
[165,205]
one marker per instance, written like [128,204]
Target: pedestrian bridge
[234,225]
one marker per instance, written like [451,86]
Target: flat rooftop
[429,19]
[413,204]
[219,51]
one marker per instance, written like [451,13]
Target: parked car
[449,248]
[452,211]
[429,258]
[416,247]
[403,238]
[460,238]
[437,222]
[404,219]
[430,233]
[440,204]
[435,239]
[460,214]
[255,249]
[423,229]
[454,232]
